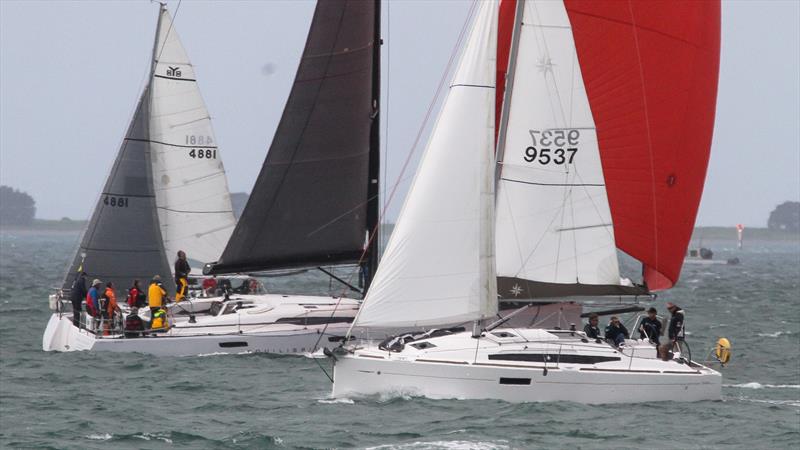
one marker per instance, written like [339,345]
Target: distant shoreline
[700,233]
[48,225]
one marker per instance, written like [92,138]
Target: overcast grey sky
[71,72]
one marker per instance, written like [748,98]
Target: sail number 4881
[553,146]
[200,153]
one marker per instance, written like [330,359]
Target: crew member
[156,295]
[650,327]
[159,320]
[675,331]
[110,309]
[182,270]
[136,296]
[93,301]
[76,296]
[616,333]
[591,329]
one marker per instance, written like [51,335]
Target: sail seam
[174,78]
[150,141]
[553,184]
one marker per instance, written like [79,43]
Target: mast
[373,179]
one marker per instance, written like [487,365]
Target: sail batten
[315,198]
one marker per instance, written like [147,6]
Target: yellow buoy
[723,350]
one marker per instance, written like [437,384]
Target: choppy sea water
[96,400]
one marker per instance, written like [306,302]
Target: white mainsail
[194,206]
[553,219]
[439,263]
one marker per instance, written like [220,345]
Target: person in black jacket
[650,327]
[676,323]
[616,333]
[77,295]
[591,329]
[182,270]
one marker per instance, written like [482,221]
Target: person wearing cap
[156,294]
[650,327]
[93,301]
[77,295]
[591,329]
[616,333]
[134,325]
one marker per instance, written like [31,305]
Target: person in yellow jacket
[159,320]
[156,295]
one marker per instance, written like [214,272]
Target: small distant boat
[563,119]
[705,256]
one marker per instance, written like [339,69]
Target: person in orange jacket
[111,308]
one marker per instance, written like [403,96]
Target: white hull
[459,367]
[268,323]
[62,335]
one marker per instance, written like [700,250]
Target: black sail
[123,235]
[315,199]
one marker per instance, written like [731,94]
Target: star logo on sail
[516,290]
[545,65]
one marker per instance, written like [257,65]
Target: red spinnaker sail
[505,29]
[650,68]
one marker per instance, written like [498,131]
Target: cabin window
[233,344]
[553,358]
[517,381]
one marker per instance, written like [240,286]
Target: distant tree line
[785,217]
[16,207]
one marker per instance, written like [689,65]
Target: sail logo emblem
[173,71]
[516,290]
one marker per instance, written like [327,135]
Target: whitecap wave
[775,334]
[99,437]
[333,401]
[757,385]
[794,403]
[455,445]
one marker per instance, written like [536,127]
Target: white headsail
[553,219]
[439,263]
[194,206]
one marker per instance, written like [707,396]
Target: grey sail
[315,200]
[122,240]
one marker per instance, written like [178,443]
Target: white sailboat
[571,147]
[314,204]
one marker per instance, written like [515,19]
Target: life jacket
[159,321]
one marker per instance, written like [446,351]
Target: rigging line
[418,137]
[649,138]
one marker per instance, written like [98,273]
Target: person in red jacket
[136,296]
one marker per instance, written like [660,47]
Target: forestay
[439,263]
[554,227]
[194,206]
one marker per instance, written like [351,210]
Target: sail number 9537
[553,146]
